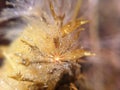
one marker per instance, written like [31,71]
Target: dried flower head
[48,38]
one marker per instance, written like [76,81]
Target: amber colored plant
[42,45]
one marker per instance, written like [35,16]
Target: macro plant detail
[46,50]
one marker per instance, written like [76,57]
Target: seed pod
[45,51]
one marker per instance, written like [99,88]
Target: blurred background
[102,36]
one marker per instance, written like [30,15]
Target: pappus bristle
[50,39]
